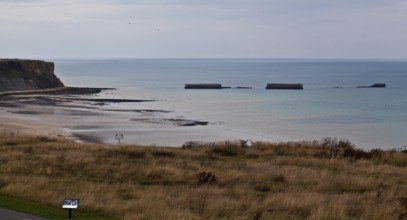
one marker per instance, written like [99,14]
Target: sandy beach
[12,124]
[91,117]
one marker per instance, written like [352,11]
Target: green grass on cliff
[48,212]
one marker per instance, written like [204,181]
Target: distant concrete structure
[284,86]
[243,87]
[203,86]
[376,85]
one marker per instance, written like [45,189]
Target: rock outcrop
[21,75]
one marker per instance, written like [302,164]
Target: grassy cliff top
[327,179]
[13,68]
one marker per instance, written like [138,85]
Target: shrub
[402,213]
[164,154]
[376,153]
[3,183]
[279,178]
[206,178]
[125,152]
[45,139]
[334,142]
[257,215]
[229,151]
[356,154]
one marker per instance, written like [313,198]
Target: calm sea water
[370,117]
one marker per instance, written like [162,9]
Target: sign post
[70,204]
[119,137]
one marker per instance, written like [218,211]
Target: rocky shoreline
[33,100]
[84,112]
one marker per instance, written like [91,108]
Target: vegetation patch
[228,150]
[327,179]
[49,212]
[206,178]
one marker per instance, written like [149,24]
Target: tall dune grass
[328,179]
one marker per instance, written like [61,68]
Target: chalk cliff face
[20,75]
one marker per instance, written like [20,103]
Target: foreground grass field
[326,179]
[49,212]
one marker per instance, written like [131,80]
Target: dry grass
[328,179]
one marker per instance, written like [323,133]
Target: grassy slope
[49,212]
[307,180]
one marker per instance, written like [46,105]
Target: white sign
[70,204]
[119,136]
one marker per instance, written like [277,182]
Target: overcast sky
[203,28]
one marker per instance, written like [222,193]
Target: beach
[15,125]
[88,117]
[149,105]
[330,104]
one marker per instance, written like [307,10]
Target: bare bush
[206,178]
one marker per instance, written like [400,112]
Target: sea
[330,105]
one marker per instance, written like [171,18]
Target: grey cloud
[254,28]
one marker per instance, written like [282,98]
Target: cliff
[20,75]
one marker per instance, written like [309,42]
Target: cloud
[214,28]
[376,31]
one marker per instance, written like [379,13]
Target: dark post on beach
[119,137]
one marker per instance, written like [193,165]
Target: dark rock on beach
[78,91]
[188,123]
[174,121]
[140,110]
[114,100]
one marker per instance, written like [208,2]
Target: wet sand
[88,116]
[12,124]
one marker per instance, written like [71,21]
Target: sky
[203,29]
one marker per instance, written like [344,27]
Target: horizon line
[214,58]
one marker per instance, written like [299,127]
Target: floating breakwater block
[203,86]
[376,85]
[284,86]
